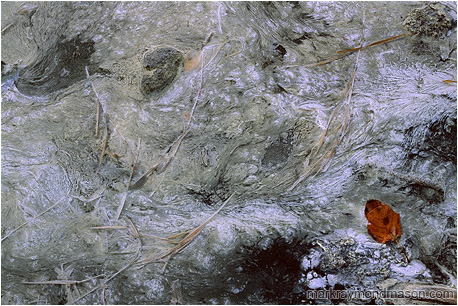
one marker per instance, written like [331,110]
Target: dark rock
[160,68]
[433,20]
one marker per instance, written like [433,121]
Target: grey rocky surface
[261,108]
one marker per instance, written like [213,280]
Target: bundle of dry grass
[181,244]
[332,135]
[334,132]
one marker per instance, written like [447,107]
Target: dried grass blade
[179,235]
[134,161]
[63,281]
[327,61]
[164,160]
[198,229]
[142,180]
[328,125]
[102,153]
[98,105]
[109,227]
[53,282]
[133,229]
[34,218]
[7,27]
[110,278]
[349,96]
[347,52]
[186,240]
[373,44]
[158,238]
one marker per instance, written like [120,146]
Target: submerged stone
[161,66]
[433,20]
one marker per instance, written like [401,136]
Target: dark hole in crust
[57,68]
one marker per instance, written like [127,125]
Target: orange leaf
[192,61]
[384,224]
